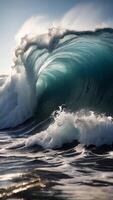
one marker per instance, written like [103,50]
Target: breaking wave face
[62,67]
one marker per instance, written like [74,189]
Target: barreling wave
[60,67]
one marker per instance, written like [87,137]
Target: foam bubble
[85,126]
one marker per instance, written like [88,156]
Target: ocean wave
[60,67]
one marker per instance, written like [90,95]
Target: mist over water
[56,110]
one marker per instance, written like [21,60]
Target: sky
[14,13]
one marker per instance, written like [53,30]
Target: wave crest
[61,67]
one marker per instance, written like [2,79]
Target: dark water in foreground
[73,172]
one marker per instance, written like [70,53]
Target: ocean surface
[56,118]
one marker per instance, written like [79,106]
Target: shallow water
[72,172]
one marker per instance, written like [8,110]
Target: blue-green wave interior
[76,71]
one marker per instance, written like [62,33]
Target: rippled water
[73,172]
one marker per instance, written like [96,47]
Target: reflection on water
[74,173]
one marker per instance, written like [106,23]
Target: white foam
[17,98]
[82,16]
[87,127]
